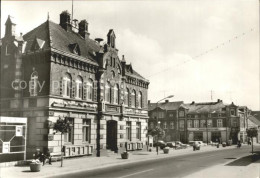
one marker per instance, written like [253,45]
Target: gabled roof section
[9,21]
[131,72]
[206,107]
[254,120]
[37,44]
[74,48]
[37,36]
[166,105]
[111,33]
[256,114]
[56,37]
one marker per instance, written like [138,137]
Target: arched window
[127,97]
[116,94]
[108,92]
[79,87]
[33,84]
[67,85]
[140,102]
[133,100]
[90,90]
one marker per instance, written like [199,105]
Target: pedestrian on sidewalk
[37,154]
[194,146]
[46,155]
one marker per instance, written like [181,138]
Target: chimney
[166,101]
[83,29]
[219,101]
[149,102]
[65,22]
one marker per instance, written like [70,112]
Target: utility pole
[72,11]
[211,95]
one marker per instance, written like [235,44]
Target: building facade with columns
[57,70]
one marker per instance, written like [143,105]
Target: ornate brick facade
[71,76]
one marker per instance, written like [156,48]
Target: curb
[160,156]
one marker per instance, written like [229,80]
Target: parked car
[200,143]
[182,145]
[160,143]
[173,145]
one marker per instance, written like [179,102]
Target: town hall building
[57,71]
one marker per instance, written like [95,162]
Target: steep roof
[58,38]
[207,107]
[254,120]
[166,105]
[131,72]
[256,114]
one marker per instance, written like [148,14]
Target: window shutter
[62,86]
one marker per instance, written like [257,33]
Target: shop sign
[19,131]
[6,147]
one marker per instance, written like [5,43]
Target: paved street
[178,163]
[179,166]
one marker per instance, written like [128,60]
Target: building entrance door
[112,135]
[215,136]
[198,136]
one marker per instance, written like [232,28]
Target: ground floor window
[128,130]
[165,125]
[215,136]
[171,125]
[69,136]
[138,130]
[198,136]
[86,130]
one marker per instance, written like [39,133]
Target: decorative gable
[74,48]
[111,38]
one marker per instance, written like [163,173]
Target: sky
[164,41]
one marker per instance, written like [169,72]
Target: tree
[158,132]
[252,132]
[62,126]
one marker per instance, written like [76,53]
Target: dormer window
[37,44]
[74,48]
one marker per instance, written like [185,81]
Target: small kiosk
[12,138]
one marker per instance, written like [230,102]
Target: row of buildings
[57,71]
[205,121]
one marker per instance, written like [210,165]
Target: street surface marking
[136,173]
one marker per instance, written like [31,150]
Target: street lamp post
[157,115]
[170,96]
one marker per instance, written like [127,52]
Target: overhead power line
[206,51]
